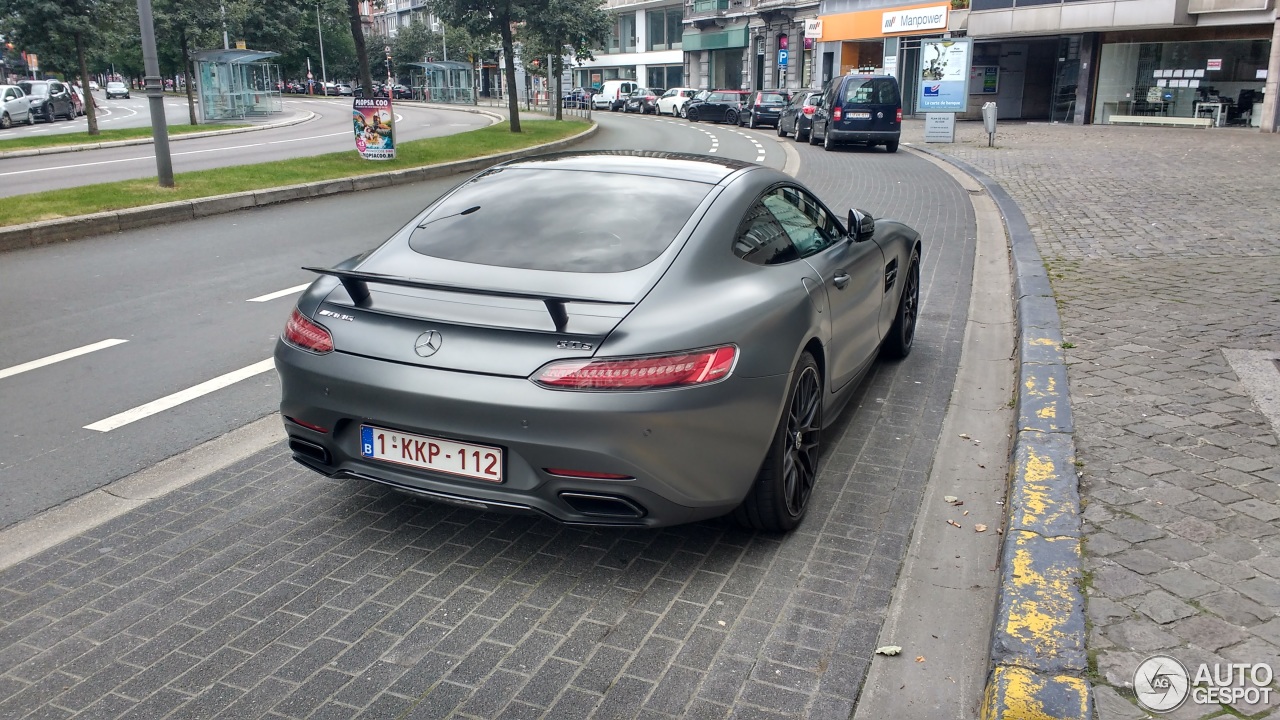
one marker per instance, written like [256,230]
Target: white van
[612,94]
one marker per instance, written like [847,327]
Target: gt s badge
[573,345]
[336,316]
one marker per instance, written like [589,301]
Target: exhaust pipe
[309,450]
[602,505]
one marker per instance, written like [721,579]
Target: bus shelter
[447,81]
[233,84]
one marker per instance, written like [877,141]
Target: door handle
[840,280]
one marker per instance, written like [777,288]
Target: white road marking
[59,357]
[279,293]
[171,401]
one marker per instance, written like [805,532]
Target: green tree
[357,34]
[181,26]
[563,27]
[61,32]
[481,17]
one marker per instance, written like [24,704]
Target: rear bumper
[873,136]
[691,453]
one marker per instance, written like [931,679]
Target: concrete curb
[83,226]
[148,141]
[1038,658]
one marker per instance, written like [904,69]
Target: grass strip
[86,199]
[84,138]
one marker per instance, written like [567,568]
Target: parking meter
[989,122]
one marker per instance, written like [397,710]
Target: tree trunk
[186,76]
[556,62]
[90,111]
[513,102]
[362,54]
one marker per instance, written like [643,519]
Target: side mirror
[861,225]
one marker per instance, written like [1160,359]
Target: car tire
[31,118]
[827,143]
[751,121]
[802,137]
[781,491]
[891,146]
[682,111]
[731,117]
[781,133]
[691,116]
[6,122]
[902,333]
[813,136]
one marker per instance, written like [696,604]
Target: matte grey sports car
[616,338]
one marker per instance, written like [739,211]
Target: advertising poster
[374,128]
[944,75]
[984,79]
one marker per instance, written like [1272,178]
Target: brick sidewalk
[1163,247]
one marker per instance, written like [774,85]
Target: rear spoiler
[356,284]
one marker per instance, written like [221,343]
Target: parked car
[859,108]
[673,101]
[117,89]
[717,106]
[797,116]
[633,410]
[345,89]
[401,92]
[77,99]
[763,108]
[15,107]
[93,85]
[578,97]
[612,94]
[50,99]
[643,101]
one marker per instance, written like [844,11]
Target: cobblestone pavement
[266,590]
[1163,247]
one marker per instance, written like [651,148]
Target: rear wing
[357,282]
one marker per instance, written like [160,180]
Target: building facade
[1070,61]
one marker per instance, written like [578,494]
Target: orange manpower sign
[924,19]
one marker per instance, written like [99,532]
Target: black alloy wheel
[827,143]
[813,135]
[691,115]
[782,489]
[731,117]
[903,332]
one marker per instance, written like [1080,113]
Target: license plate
[478,462]
[860,116]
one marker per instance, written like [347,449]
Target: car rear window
[35,88]
[772,98]
[872,91]
[559,220]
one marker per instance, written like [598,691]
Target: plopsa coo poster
[374,128]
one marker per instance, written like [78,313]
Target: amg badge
[573,345]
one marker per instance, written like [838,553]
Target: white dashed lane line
[279,293]
[59,357]
[171,401]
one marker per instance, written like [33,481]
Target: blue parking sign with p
[783,55]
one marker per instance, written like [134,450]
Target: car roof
[686,166]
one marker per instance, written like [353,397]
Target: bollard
[989,122]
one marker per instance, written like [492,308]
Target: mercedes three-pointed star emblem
[428,343]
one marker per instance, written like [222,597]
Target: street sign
[782,57]
[310,76]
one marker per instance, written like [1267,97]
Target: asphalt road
[330,131]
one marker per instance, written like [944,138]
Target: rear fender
[896,241]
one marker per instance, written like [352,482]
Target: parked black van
[859,109]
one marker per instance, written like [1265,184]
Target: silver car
[677,364]
[15,107]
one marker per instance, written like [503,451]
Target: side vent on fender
[890,275]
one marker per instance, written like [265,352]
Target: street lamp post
[324,75]
[155,95]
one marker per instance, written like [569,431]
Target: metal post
[155,95]
[225,44]
[324,75]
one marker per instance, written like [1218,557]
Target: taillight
[899,114]
[306,335]
[837,113]
[693,367]
[808,109]
[586,474]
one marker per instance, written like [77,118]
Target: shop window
[1181,79]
